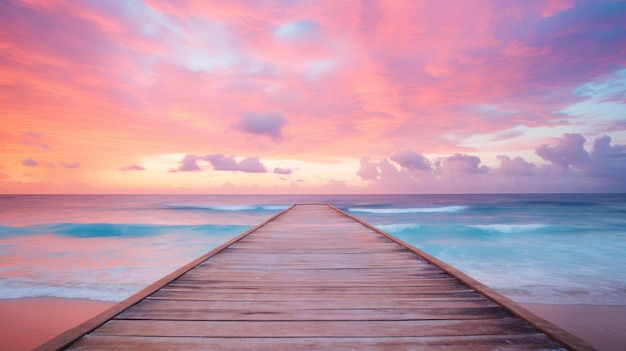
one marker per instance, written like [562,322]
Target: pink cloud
[368,170]
[133,168]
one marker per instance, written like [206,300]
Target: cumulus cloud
[568,151]
[602,149]
[608,160]
[462,163]
[411,160]
[605,160]
[515,166]
[190,164]
[368,170]
[133,168]
[269,124]
[285,171]
[221,162]
[29,162]
[570,168]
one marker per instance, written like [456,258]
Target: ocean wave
[92,230]
[510,228]
[100,292]
[445,209]
[397,228]
[233,208]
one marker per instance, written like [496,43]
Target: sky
[296,96]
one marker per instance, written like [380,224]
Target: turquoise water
[566,248]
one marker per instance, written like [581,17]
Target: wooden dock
[313,277]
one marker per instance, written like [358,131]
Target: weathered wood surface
[315,278]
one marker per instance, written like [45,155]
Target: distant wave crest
[397,228]
[92,230]
[445,209]
[234,208]
[511,228]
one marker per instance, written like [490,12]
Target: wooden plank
[205,306]
[317,329]
[168,294]
[316,314]
[313,289]
[535,342]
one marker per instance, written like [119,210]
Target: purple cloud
[72,165]
[515,166]
[411,160]
[464,164]
[133,168]
[368,170]
[221,162]
[568,151]
[269,124]
[602,149]
[279,170]
[190,164]
[608,161]
[33,134]
[29,162]
[605,160]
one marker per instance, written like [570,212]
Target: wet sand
[27,323]
[602,326]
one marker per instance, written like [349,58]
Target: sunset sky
[296,96]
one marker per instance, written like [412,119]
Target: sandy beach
[27,323]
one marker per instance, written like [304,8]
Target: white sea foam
[397,228]
[101,292]
[510,228]
[445,209]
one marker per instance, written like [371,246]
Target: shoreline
[29,322]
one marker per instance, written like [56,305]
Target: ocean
[543,248]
